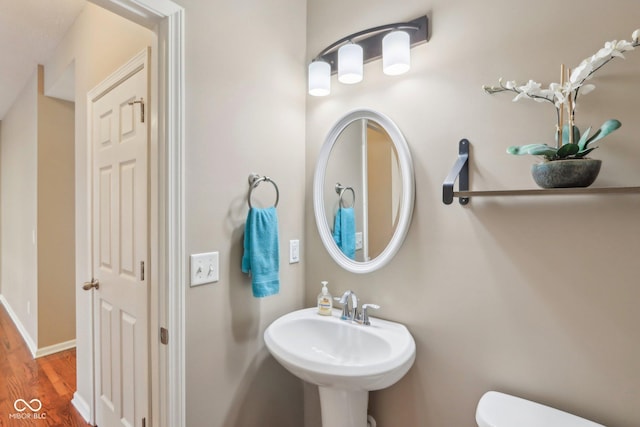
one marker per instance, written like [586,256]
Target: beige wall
[245,100]
[97,44]
[531,296]
[56,240]
[18,207]
[38,185]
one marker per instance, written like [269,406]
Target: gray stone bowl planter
[566,173]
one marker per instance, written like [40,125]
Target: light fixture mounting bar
[371,40]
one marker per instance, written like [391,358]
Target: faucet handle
[345,297]
[345,307]
[365,313]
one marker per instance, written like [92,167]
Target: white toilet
[502,410]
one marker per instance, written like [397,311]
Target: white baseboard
[23,331]
[33,348]
[82,407]
[45,351]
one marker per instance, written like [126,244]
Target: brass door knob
[92,284]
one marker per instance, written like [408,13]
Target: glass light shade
[396,58]
[319,78]
[350,63]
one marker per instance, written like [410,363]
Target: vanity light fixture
[319,78]
[346,56]
[350,63]
[396,58]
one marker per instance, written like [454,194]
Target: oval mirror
[363,191]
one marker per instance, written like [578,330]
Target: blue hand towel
[344,231]
[261,255]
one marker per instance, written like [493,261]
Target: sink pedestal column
[343,408]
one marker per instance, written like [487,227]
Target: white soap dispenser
[325,301]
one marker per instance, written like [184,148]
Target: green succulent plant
[568,150]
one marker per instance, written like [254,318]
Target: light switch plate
[204,268]
[294,251]
[359,240]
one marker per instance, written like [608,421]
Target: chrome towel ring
[255,180]
[340,189]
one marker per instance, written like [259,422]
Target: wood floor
[50,379]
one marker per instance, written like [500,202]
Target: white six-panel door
[119,140]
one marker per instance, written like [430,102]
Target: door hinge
[141,271]
[164,336]
[141,102]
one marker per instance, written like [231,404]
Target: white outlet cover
[204,268]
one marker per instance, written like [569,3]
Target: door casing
[166,234]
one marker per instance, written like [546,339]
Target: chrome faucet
[349,312]
[352,311]
[365,313]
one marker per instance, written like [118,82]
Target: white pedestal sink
[344,359]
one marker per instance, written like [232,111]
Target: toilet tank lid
[497,409]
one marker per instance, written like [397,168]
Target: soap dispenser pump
[325,301]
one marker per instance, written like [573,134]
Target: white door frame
[167,235]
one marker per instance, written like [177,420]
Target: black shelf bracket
[460,172]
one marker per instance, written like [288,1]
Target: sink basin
[346,360]
[327,351]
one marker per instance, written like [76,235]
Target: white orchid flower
[599,58]
[605,53]
[561,94]
[558,94]
[545,95]
[521,95]
[624,46]
[531,88]
[585,89]
[581,72]
[611,49]
[560,101]
[615,48]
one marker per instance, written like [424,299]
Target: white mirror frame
[407,199]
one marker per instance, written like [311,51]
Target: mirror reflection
[363,190]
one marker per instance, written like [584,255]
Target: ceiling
[30,30]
